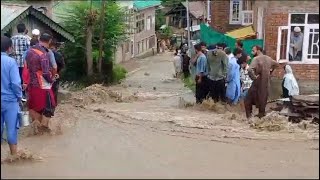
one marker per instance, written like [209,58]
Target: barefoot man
[11,94]
[259,71]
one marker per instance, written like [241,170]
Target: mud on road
[147,126]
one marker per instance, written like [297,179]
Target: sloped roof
[140,5]
[196,8]
[11,14]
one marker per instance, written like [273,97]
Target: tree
[160,19]
[84,52]
[91,17]
[101,22]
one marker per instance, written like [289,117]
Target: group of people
[30,68]
[227,77]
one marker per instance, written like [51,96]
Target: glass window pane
[313,18]
[298,18]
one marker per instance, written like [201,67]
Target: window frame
[306,36]
[231,21]
[243,12]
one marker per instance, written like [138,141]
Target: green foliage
[74,20]
[190,83]
[118,73]
[160,19]
[166,32]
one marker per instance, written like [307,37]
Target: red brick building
[274,21]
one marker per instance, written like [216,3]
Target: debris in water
[139,86]
[209,104]
[99,110]
[184,104]
[271,122]
[154,88]
[146,74]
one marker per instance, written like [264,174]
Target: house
[140,18]
[176,17]
[274,21]
[13,14]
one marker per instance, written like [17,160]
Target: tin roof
[11,14]
[140,5]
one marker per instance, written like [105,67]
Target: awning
[242,33]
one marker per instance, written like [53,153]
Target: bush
[118,73]
[190,83]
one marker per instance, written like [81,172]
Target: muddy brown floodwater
[147,127]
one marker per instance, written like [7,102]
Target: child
[246,82]
[177,64]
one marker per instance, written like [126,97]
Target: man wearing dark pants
[20,44]
[202,81]
[218,62]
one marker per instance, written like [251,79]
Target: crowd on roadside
[226,76]
[30,68]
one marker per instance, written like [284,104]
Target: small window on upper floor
[299,41]
[241,12]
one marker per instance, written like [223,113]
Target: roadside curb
[134,71]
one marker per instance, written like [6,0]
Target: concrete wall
[123,53]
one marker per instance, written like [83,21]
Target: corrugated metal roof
[10,12]
[196,8]
[140,5]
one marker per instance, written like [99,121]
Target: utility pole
[208,10]
[188,26]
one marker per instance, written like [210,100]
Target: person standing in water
[259,71]
[11,94]
[201,79]
[233,78]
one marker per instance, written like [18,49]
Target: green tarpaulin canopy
[210,36]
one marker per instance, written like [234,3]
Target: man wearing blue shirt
[11,94]
[202,85]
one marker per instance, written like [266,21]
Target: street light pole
[188,26]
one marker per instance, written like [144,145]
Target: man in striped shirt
[20,43]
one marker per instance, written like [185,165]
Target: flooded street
[142,129]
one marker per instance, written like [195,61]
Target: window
[241,12]
[149,23]
[127,44]
[300,47]
[140,24]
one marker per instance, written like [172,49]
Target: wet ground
[151,134]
